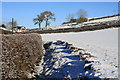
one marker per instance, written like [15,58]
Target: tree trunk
[46,23]
[39,25]
[12,24]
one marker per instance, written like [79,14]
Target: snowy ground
[64,60]
[104,19]
[103,44]
[107,38]
[93,22]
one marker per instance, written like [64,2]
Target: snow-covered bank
[103,38]
[103,44]
[92,22]
[104,19]
[63,60]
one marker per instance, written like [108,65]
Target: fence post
[12,24]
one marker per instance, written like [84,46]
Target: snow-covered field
[103,44]
[104,19]
[93,22]
[107,38]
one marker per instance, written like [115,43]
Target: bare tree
[47,16]
[39,19]
[82,13]
[70,17]
[12,24]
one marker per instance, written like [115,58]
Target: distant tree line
[81,17]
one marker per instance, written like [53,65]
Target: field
[103,44]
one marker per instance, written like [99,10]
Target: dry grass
[21,52]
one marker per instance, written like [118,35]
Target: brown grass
[21,52]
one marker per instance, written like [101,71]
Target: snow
[102,44]
[59,27]
[104,38]
[3,28]
[63,63]
[104,19]
[93,22]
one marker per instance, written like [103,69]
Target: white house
[19,28]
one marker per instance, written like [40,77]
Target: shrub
[81,20]
[20,54]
